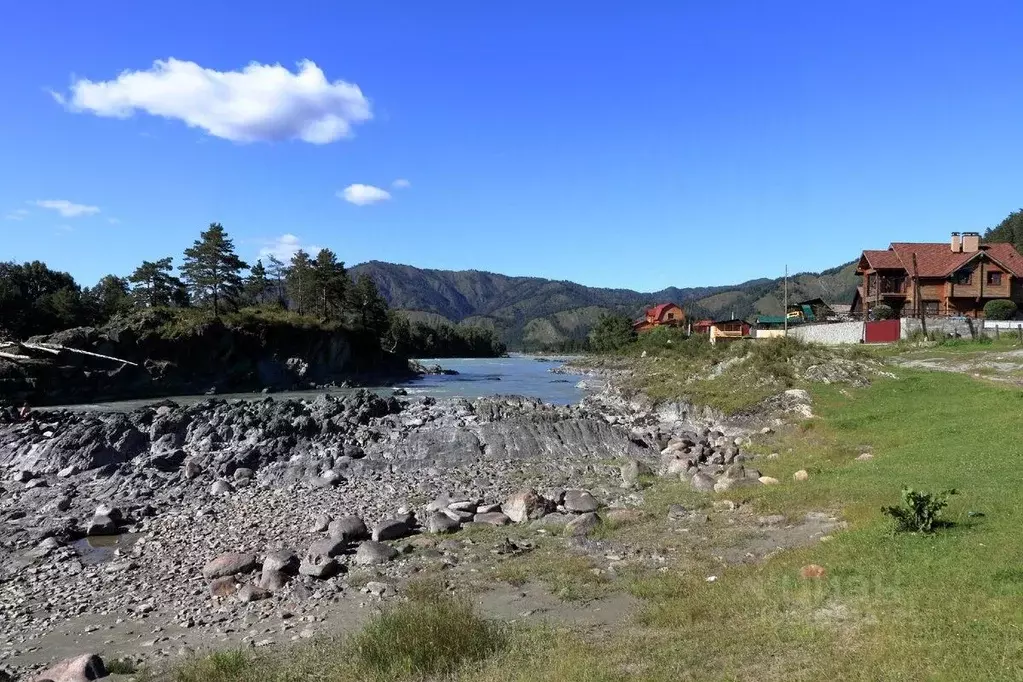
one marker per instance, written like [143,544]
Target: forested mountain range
[533,313]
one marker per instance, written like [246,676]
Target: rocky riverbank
[168,528]
[168,353]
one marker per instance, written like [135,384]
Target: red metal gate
[883,331]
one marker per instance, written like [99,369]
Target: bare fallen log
[56,348]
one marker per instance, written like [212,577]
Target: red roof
[938,259]
[658,310]
[882,260]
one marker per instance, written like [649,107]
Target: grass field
[948,606]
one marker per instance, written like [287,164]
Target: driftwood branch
[56,349]
[36,346]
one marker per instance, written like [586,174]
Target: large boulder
[371,553]
[101,525]
[632,470]
[231,563]
[582,524]
[284,561]
[330,547]
[494,518]
[702,482]
[348,528]
[524,505]
[391,529]
[579,501]
[318,566]
[438,522]
[82,668]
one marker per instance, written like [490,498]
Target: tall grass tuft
[434,634]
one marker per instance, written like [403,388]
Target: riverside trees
[37,300]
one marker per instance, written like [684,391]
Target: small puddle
[102,548]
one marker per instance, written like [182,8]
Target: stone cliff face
[209,356]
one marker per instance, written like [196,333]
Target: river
[477,377]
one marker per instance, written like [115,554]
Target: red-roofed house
[950,278]
[665,314]
[702,326]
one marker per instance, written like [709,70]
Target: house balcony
[886,287]
[894,286]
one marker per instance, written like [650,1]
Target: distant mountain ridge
[533,312]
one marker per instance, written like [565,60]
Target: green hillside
[534,313]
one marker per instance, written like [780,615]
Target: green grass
[121,666]
[434,634]
[893,606]
[431,636]
[730,378]
[571,577]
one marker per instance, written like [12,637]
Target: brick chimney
[971,242]
[957,243]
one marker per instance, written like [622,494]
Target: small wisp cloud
[67,209]
[363,195]
[259,103]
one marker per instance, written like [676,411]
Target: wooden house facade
[729,330]
[955,278]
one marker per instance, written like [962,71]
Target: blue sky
[636,145]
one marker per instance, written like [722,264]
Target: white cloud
[114,221]
[16,214]
[363,195]
[262,102]
[401,183]
[65,228]
[285,246]
[66,208]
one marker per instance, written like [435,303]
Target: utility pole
[916,298]
[785,311]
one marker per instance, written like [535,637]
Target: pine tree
[278,272]
[153,285]
[257,285]
[332,283]
[301,282]
[212,270]
[365,300]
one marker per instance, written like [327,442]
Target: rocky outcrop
[208,356]
[320,441]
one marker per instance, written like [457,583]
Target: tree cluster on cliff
[212,280]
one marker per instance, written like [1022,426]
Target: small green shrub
[1000,309]
[220,666]
[432,635]
[882,311]
[121,666]
[920,511]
